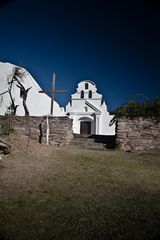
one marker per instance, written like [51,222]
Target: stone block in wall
[122,135]
[138,134]
[60,128]
[155,132]
[133,134]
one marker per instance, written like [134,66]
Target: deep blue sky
[114,43]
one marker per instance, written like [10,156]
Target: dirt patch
[26,166]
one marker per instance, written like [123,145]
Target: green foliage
[134,109]
[5,128]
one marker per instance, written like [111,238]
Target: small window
[90,94]
[86,85]
[82,94]
[86,109]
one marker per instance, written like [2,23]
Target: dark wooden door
[85,128]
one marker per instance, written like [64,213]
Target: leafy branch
[134,109]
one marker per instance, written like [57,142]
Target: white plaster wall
[99,114]
[79,104]
[91,86]
[77,119]
[94,95]
[38,103]
[105,128]
[105,119]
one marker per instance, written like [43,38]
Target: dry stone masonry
[59,129]
[138,134]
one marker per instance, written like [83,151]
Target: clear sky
[114,43]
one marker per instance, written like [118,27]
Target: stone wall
[59,128]
[138,134]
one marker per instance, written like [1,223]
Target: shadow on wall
[40,133]
[109,141]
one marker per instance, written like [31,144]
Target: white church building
[88,111]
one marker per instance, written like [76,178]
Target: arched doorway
[85,126]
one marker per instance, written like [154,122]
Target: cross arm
[52,91]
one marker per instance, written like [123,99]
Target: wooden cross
[52,91]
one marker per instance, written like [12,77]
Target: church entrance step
[87,143]
[91,147]
[81,135]
[95,142]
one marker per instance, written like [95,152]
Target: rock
[4,147]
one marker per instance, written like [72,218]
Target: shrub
[5,127]
[134,109]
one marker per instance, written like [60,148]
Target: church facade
[89,112]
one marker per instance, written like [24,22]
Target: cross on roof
[53,91]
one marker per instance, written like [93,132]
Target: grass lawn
[49,194]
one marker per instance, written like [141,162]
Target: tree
[16,76]
[12,107]
[133,109]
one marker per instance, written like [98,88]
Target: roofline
[89,81]
[93,107]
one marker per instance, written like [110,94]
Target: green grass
[84,195]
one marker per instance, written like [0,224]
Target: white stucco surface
[88,111]
[38,104]
[86,106]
